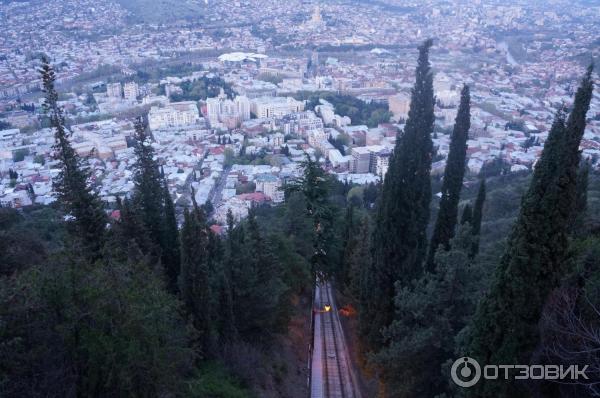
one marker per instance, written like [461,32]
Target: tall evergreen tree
[255,281]
[399,237]
[131,234]
[505,327]
[578,219]
[359,260]
[430,314]
[477,216]
[91,330]
[467,215]
[454,173]
[88,225]
[221,280]
[348,243]
[170,241]
[153,201]
[149,193]
[194,280]
[314,185]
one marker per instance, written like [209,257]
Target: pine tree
[149,192]
[454,173]
[314,186]
[155,206]
[477,217]
[226,294]
[505,327]
[170,242]
[131,234]
[194,281]
[467,215]
[89,220]
[256,286]
[399,237]
[270,287]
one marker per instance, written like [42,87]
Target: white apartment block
[221,109]
[113,90]
[399,105]
[275,107]
[361,160]
[176,114]
[131,91]
[316,136]
[382,163]
[269,185]
[277,140]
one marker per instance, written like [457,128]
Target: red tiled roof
[254,197]
[217,229]
[217,151]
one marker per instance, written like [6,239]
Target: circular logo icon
[465,372]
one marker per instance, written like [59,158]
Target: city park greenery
[360,112]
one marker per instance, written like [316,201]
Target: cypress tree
[226,296]
[467,215]
[477,216]
[399,237]
[171,253]
[88,225]
[221,280]
[578,219]
[505,327]
[348,244]
[453,179]
[359,261]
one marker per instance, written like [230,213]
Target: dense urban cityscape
[237,106]
[516,85]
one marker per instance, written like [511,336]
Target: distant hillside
[160,11]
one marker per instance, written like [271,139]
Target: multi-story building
[113,90]
[275,107]
[277,140]
[231,113]
[269,185]
[399,105]
[316,136]
[301,123]
[243,106]
[361,162]
[131,91]
[175,114]
[382,162]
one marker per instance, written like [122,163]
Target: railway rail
[332,371]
